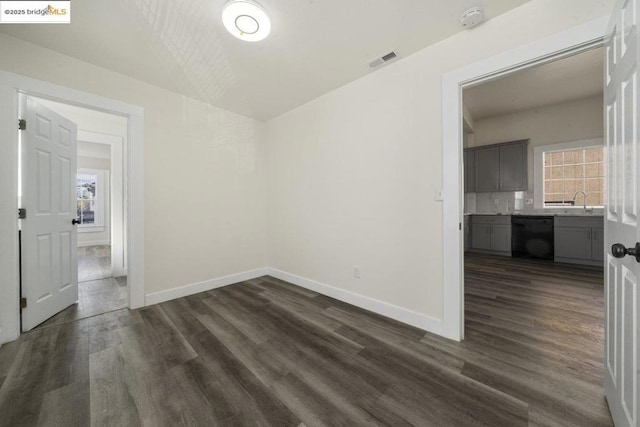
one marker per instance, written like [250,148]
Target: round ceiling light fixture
[246,20]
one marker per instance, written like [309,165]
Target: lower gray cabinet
[467,233]
[597,244]
[481,236]
[491,233]
[579,240]
[572,242]
[501,238]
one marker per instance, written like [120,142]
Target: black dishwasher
[532,236]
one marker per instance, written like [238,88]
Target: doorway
[99,231]
[568,43]
[12,86]
[527,310]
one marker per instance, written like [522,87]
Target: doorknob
[75,221]
[618,250]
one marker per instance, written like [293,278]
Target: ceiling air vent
[383,59]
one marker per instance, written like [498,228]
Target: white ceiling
[315,45]
[576,77]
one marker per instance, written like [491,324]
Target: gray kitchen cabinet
[579,240]
[513,166]
[501,238]
[491,233]
[467,233]
[487,169]
[498,167]
[469,171]
[597,244]
[481,236]
[572,242]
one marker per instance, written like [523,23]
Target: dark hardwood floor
[94,262]
[265,352]
[98,292]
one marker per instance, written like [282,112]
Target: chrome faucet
[584,198]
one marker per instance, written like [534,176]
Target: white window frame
[102,201]
[538,168]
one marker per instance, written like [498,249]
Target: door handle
[75,221]
[618,250]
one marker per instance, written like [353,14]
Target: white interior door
[621,221]
[49,240]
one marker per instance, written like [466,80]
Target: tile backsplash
[502,202]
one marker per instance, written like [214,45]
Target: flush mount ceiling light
[246,20]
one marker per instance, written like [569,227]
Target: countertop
[595,214]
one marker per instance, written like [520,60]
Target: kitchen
[534,197]
[534,182]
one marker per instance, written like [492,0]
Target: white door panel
[621,222]
[49,259]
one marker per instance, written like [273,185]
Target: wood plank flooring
[98,292]
[94,262]
[94,297]
[265,352]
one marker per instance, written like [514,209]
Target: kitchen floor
[265,352]
[537,331]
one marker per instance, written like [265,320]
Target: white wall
[93,163]
[352,175]
[569,121]
[204,171]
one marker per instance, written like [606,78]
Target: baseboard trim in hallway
[206,285]
[400,314]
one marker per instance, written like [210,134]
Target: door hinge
[22,124]
[459,226]
[23,303]
[22,213]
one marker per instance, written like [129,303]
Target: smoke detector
[472,17]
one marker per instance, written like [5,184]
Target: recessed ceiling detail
[246,20]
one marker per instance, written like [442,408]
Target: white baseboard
[6,337]
[400,314]
[94,243]
[207,285]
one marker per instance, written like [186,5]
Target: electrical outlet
[356,271]
[529,201]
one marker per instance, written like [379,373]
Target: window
[86,197]
[91,199]
[567,169]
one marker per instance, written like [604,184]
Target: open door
[621,222]
[49,263]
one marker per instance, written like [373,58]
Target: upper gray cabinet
[487,165]
[469,171]
[498,167]
[513,166]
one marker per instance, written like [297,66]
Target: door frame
[566,43]
[11,86]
